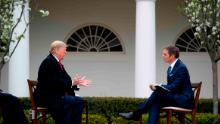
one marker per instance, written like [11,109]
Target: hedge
[106,109]
[202,118]
[105,105]
[206,106]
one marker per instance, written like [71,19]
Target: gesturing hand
[81,81]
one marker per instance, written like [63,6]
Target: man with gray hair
[55,88]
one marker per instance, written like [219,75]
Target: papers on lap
[162,88]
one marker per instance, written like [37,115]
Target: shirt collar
[56,57]
[173,63]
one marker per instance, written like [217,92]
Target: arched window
[187,42]
[94,38]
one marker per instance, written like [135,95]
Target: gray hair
[55,45]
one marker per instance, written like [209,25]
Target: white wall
[112,74]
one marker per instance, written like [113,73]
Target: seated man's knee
[73,100]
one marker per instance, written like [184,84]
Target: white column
[19,62]
[145,64]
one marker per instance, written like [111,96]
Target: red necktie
[61,65]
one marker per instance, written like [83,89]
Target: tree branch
[18,40]
[19,19]
[2,62]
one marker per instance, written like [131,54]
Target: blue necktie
[169,70]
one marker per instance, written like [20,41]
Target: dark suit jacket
[178,82]
[53,82]
[11,109]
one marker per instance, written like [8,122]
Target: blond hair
[55,45]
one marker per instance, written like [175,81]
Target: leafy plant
[9,21]
[204,15]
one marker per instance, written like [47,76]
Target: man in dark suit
[55,88]
[11,109]
[177,92]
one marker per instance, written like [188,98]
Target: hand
[153,87]
[85,83]
[81,81]
[76,80]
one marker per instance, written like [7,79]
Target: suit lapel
[175,67]
[55,61]
[174,70]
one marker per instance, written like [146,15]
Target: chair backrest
[32,86]
[196,89]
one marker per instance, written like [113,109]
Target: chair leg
[193,118]
[169,116]
[34,119]
[44,118]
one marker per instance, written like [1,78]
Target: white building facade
[143,28]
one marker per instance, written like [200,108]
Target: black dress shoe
[127,116]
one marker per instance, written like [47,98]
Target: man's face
[60,52]
[167,57]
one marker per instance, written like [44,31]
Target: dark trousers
[12,110]
[68,110]
[154,103]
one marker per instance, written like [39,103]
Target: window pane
[187,42]
[94,38]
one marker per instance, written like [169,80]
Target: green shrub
[202,118]
[25,102]
[116,104]
[207,118]
[106,109]
[94,119]
[111,105]
[123,104]
[206,106]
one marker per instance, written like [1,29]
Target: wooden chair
[34,109]
[182,111]
[41,110]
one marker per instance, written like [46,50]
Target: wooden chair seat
[178,109]
[182,111]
